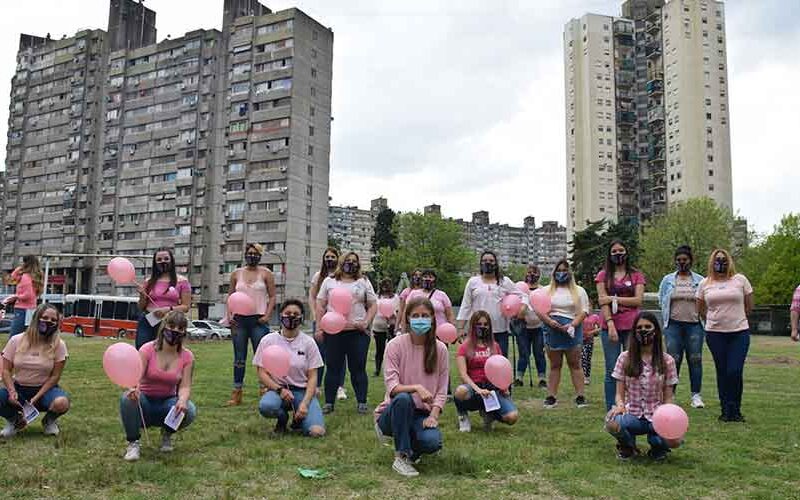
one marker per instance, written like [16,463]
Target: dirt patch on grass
[776,360]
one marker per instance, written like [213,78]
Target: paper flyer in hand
[490,402]
[174,419]
[152,319]
[29,412]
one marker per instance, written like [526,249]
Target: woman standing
[382,327]
[794,314]
[166,383]
[352,343]
[415,284]
[530,337]
[620,290]
[724,299]
[439,299]
[258,283]
[416,377]
[591,329]
[330,259]
[486,293]
[297,390]
[564,332]
[32,368]
[682,328]
[29,286]
[163,292]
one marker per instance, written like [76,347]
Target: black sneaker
[542,384]
[550,402]
[659,455]
[625,452]
[327,408]
[280,428]
[362,409]
[580,402]
[518,383]
[737,418]
[723,418]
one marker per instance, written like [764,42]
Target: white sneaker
[166,442]
[464,425]
[697,401]
[9,431]
[587,381]
[382,438]
[133,451]
[403,467]
[50,427]
[340,394]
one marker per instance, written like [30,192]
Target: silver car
[216,331]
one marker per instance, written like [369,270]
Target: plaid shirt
[796,300]
[643,394]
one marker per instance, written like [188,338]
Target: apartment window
[710,158]
[710,173]
[310,170]
[708,116]
[310,131]
[311,111]
[235,168]
[710,187]
[313,92]
[313,72]
[310,150]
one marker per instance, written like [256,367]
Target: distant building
[352,228]
[433,210]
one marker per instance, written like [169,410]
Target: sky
[461,103]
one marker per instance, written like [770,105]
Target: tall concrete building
[203,143]
[647,110]
[352,228]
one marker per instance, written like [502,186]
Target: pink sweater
[404,365]
[26,296]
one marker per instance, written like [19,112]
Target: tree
[773,264]
[428,241]
[516,272]
[334,243]
[699,223]
[383,236]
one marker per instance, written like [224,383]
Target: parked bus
[100,315]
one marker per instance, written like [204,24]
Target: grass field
[560,453]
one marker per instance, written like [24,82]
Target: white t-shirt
[361,290]
[304,355]
[480,296]
[563,305]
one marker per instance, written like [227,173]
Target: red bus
[100,315]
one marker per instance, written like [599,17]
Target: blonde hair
[710,267]
[339,273]
[258,247]
[573,288]
[174,319]
[32,338]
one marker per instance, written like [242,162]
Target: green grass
[229,453]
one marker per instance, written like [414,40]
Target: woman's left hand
[302,411]
[430,423]
[181,406]
[160,312]
[263,320]
[605,300]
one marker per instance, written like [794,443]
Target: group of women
[640,372]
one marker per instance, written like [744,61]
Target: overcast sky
[461,102]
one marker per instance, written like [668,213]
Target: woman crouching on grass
[645,375]
[166,383]
[475,387]
[416,370]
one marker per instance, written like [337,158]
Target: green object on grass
[312,473]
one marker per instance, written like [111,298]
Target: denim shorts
[26,393]
[561,341]
[475,402]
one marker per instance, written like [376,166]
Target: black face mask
[350,267]
[531,279]
[427,284]
[488,267]
[291,322]
[252,260]
[330,264]
[163,267]
[172,337]
[721,266]
[482,332]
[47,328]
[619,258]
[645,336]
[683,267]
[416,280]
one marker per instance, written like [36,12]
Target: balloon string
[144,424]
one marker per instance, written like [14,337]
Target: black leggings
[380,346]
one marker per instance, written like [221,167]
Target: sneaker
[488,421]
[737,418]
[542,383]
[362,409]
[625,452]
[404,467]
[9,431]
[327,408]
[697,401]
[280,428]
[580,402]
[518,382]
[587,381]
[550,402]
[659,455]
[133,451]
[50,427]
[382,438]
[723,418]
[166,442]
[340,394]
[464,425]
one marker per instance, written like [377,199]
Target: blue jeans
[247,328]
[474,402]
[18,323]
[502,339]
[531,339]
[321,369]
[631,426]
[403,421]
[154,410]
[611,351]
[144,332]
[351,347]
[272,406]
[9,411]
[729,351]
[687,337]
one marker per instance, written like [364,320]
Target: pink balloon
[498,371]
[386,308]
[540,300]
[341,300]
[121,271]
[670,421]
[511,305]
[447,333]
[240,303]
[123,365]
[332,322]
[275,359]
[523,287]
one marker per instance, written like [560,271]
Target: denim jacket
[665,293]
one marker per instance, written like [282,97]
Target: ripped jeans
[687,337]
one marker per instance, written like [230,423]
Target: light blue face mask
[420,326]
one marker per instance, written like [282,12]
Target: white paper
[174,419]
[29,316]
[29,412]
[490,402]
[614,306]
[152,319]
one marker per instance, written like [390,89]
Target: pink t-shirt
[725,303]
[165,295]
[796,300]
[33,367]
[406,293]
[625,287]
[26,295]
[591,322]
[476,363]
[159,383]
[303,356]
[440,302]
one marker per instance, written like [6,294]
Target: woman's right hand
[613,336]
[13,398]
[615,410]
[133,394]
[484,393]
[424,394]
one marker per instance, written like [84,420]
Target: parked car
[198,333]
[5,325]
[217,331]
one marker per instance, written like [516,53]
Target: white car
[217,331]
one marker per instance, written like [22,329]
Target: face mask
[488,267]
[252,260]
[350,267]
[171,337]
[420,326]
[416,280]
[561,277]
[47,328]
[481,331]
[721,266]
[619,258]
[291,322]
[163,267]
[683,267]
[645,336]
[532,279]
[330,264]
[427,284]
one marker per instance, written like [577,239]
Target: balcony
[627,65]
[655,87]
[628,155]
[625,79]
[655,114]
[653,50]
[623,28]
[626,118]
[655,154]
[653,26]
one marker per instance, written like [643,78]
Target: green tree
[773,264]
[516,272]
[699,223]
[383,236]
[428,241]
[334,243]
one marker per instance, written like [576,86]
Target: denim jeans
[729,351]
[611,351]
[631,426]
[474,402]
[403,421]
[272,406]
[687,337]
[18,323]
[502,339]
[155,410]
[321,369]
[9,411]
[144,332]
[530,339]
[352,347]
[246,328]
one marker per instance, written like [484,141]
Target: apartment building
[203,143]
[352,228]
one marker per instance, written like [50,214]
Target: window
[240,88]
[235,168]
[239,127]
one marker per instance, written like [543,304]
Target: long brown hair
[431,356]
[30,265]
[323,271]
[339,273]
[175,319]
[633,365]
[472,337]
[32,337]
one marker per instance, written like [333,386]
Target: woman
[382,327]
[564,332]
[645,376]
[682,328]
[416,376]
[32,366]
[724,299]
[486,293]
[164,388]
[330,259]
[163,292]
[297,390]
[352,343]
[794,314]
[439,299]
[530,337]
[471,359]
[620,290]
[591,329]
[414,286]
[258,283]
[28,277]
